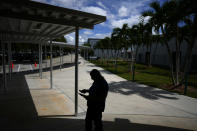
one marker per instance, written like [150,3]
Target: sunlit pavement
[129,106]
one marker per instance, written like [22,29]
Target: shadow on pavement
[69,124]
[17,101]
[129,88]
[18,112]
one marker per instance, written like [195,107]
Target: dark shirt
[97,95]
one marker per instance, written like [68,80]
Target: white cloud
[70,38]
[101,5]
[123,11]
[128,12]
[81,39]
[146,19]
[87,32]
[102,35]
[95,10]
[130,21]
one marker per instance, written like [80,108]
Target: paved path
[129,106]
[137,102]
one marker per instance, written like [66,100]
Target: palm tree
[147,40]
[189,30]
[116,43]
[159,19]
[135,36]
[124,39]
[107,45]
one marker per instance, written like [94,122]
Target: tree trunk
[133,63]
[150,63]
[170,57]
[188,58]
[115,57]
[177,61]
[131,60]
[170,62]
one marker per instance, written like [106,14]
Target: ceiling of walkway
[29,21]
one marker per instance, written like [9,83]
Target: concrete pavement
[129,106]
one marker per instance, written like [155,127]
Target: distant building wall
[159,55]
[93,41]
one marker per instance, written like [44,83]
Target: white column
[45,54]
[10,59]
[84,54]
[51,65]
[60,58]
[40,60]
[4,68]
[76,69]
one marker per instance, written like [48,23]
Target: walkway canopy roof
[29,21]
[63,44]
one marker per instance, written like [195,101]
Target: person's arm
[86,97]
[84,91]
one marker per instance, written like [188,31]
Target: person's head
[95,75]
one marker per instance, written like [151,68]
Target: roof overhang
[24,20]
[63,44]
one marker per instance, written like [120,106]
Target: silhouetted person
[95,101]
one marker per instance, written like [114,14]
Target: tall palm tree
[147,40]
[189,31]
[124,38]
[159,19]
[135,37]
[116,43]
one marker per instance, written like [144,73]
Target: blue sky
[117,12]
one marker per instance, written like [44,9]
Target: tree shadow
[18,112]
[129,88]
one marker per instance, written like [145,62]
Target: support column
[76,69]
[60,58]
[4,68]
[51,65]
[10,59]
[45,54]
[84,54]
[40,60]
[87,55]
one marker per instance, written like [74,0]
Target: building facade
[158,55]
[93,41]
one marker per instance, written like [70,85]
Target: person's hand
[83,91]
[86,97]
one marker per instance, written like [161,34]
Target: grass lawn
[152,76]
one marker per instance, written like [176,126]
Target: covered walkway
[129,106]
[27,21]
